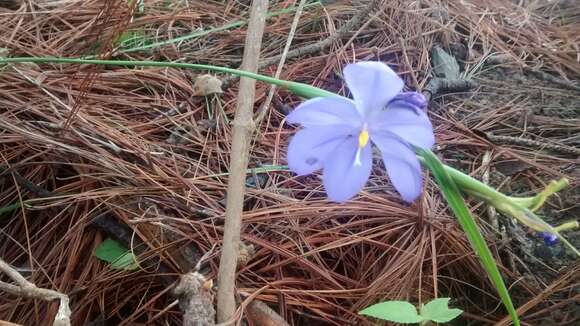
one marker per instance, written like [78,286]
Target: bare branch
[26,289]
[243,127]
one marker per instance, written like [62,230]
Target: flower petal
[372,84]
[325,111]
[410,125]
[343,178]
[309,147]
[402,166]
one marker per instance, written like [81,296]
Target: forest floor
[136,155]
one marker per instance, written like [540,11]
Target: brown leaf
[207,84]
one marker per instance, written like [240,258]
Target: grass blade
[457,204]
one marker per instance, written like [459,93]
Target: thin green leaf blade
[438,311]
[459,208]
[395,311]
[117,255]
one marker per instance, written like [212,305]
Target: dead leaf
[207,84]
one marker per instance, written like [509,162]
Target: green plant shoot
[437,311]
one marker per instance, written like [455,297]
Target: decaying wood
[195,299]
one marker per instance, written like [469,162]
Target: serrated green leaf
[116,254]
[438,311]
[395,311]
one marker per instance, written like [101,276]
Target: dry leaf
[206,85]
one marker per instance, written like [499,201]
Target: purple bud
[411,99]
[549,238]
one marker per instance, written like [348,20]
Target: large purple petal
[373,85]
[402,166]
[325,111]
[405,121]
[343,178]
[309,148]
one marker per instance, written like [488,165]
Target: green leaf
[8,209]
[132,38]
[438,311]
[459,208]
[197,34]
[116,254]
[395,311]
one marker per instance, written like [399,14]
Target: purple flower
[338,132]
[549,238]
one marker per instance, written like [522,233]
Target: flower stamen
[363,140]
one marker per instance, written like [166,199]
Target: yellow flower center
[363,138]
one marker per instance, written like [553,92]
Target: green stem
[197,34]
[472,185]
[300,89]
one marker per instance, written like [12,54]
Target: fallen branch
[532,143]
[195,299]
[438,86]
[502,59]
[26,289]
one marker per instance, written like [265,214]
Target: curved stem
[300,89]
[471,185]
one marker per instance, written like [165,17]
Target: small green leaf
[395,311]
[438,311]
[116,254]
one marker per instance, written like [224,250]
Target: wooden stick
[243,127]
[24,288]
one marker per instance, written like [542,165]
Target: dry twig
[272,90]
[532,143]
[24,288]
[243,127]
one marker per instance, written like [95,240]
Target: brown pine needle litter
[80,141]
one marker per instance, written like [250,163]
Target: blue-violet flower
[338,133]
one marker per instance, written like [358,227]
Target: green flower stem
[472,185]
[300,89]
[515,207]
